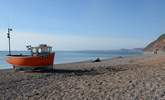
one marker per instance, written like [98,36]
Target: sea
[62,57]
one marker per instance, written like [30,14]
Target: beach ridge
[140,77]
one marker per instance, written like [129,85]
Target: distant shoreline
[89,61]
[64,57]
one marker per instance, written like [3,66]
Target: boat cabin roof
[41,49]
[42,46]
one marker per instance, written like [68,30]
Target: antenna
[8,36]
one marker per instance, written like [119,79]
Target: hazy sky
[81,24]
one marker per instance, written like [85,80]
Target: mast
[8,36]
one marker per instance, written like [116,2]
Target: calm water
[75,56]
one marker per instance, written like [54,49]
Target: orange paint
[31,61]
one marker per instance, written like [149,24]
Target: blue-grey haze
[75,56]
[101,24]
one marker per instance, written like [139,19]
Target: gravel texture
[130,78]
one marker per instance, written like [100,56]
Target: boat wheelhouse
[41,57]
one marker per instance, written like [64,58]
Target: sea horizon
[71,56]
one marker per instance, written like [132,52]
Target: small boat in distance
[40,57]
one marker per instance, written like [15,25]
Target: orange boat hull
[31,61]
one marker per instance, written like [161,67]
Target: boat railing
[19,55]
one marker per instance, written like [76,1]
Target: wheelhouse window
[34,50]
[41,49]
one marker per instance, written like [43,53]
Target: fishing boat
[40,57]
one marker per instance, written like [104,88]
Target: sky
[81,24]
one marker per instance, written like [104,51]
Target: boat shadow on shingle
[81,72]
[77,72]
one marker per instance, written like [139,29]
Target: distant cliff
[158,44]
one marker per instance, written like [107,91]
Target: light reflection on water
[75,56]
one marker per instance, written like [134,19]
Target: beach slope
[128,78]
